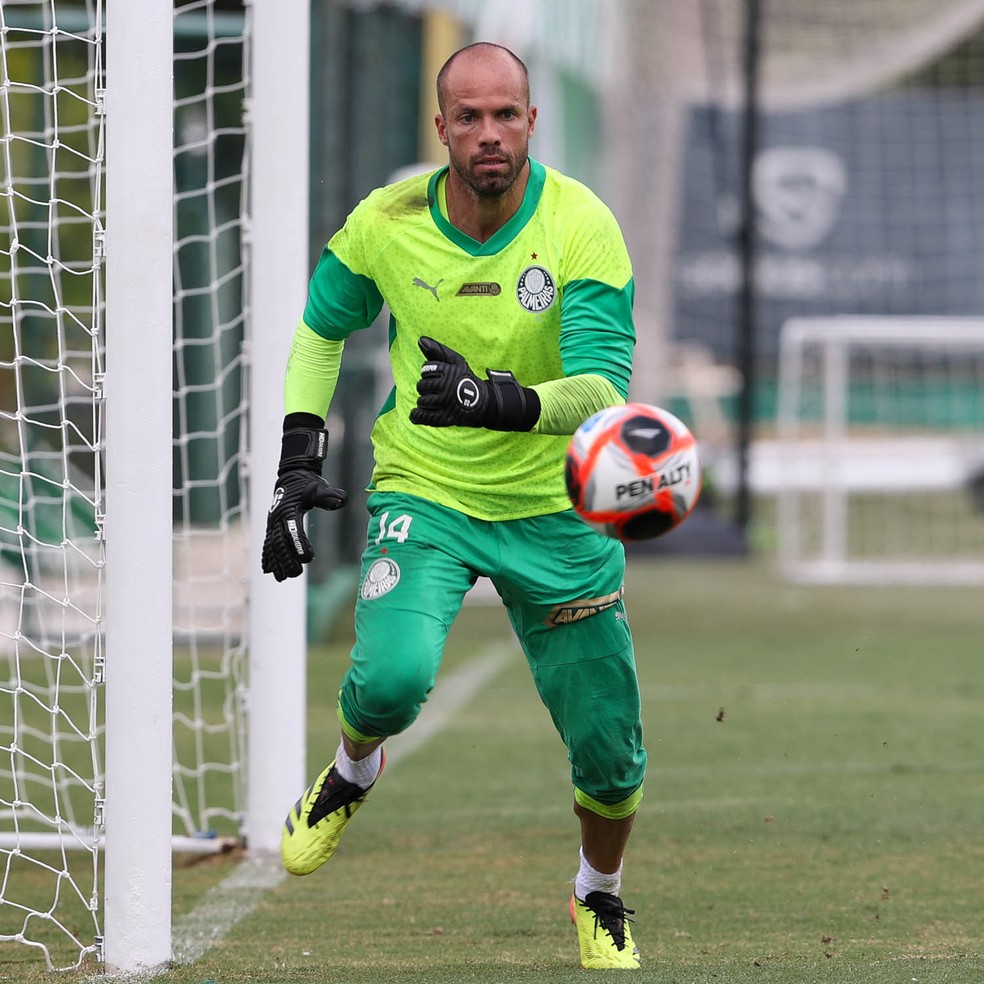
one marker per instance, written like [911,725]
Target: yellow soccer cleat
[315,823]
[603,932]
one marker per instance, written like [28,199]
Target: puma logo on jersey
[417,282]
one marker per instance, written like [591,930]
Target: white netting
[211,570]
[52,346]
[51,555]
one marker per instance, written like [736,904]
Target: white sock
[363,773]
[589,880]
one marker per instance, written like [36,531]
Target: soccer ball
[633,472]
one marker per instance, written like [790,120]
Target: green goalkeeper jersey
[548,296]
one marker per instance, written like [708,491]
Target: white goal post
[878,466]
[152,693]
[137,449]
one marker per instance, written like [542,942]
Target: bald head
[486,122]
[480,54]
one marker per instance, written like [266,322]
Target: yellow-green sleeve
[312,372]
[565,403]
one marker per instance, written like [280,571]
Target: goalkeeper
[510,296]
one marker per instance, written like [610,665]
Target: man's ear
[442,130]
[532,115]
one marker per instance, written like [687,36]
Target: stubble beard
[492,186]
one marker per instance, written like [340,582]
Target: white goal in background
[879,464]
[132,620]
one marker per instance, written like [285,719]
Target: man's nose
[489,132]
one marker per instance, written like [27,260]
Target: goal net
[53,178]
[879,463]
[210,543]
[51,495]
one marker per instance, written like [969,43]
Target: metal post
[279,271]
[138,485]
[748,253]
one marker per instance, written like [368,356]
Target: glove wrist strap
[515,407]
[303,447]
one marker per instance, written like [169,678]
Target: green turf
[812,813]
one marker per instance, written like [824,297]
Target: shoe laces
[335,794]
[610,915]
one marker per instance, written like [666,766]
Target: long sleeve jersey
[548,296]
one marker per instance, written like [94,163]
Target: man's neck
[480,217]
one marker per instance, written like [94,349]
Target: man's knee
[608,771]
[387,699]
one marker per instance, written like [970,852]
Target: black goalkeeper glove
[450,394]
[299,489]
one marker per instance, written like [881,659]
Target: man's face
[487,123]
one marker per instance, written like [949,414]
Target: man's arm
[312,372]
[566,403]
[451,394]
[597,331]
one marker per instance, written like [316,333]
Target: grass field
[813,809]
